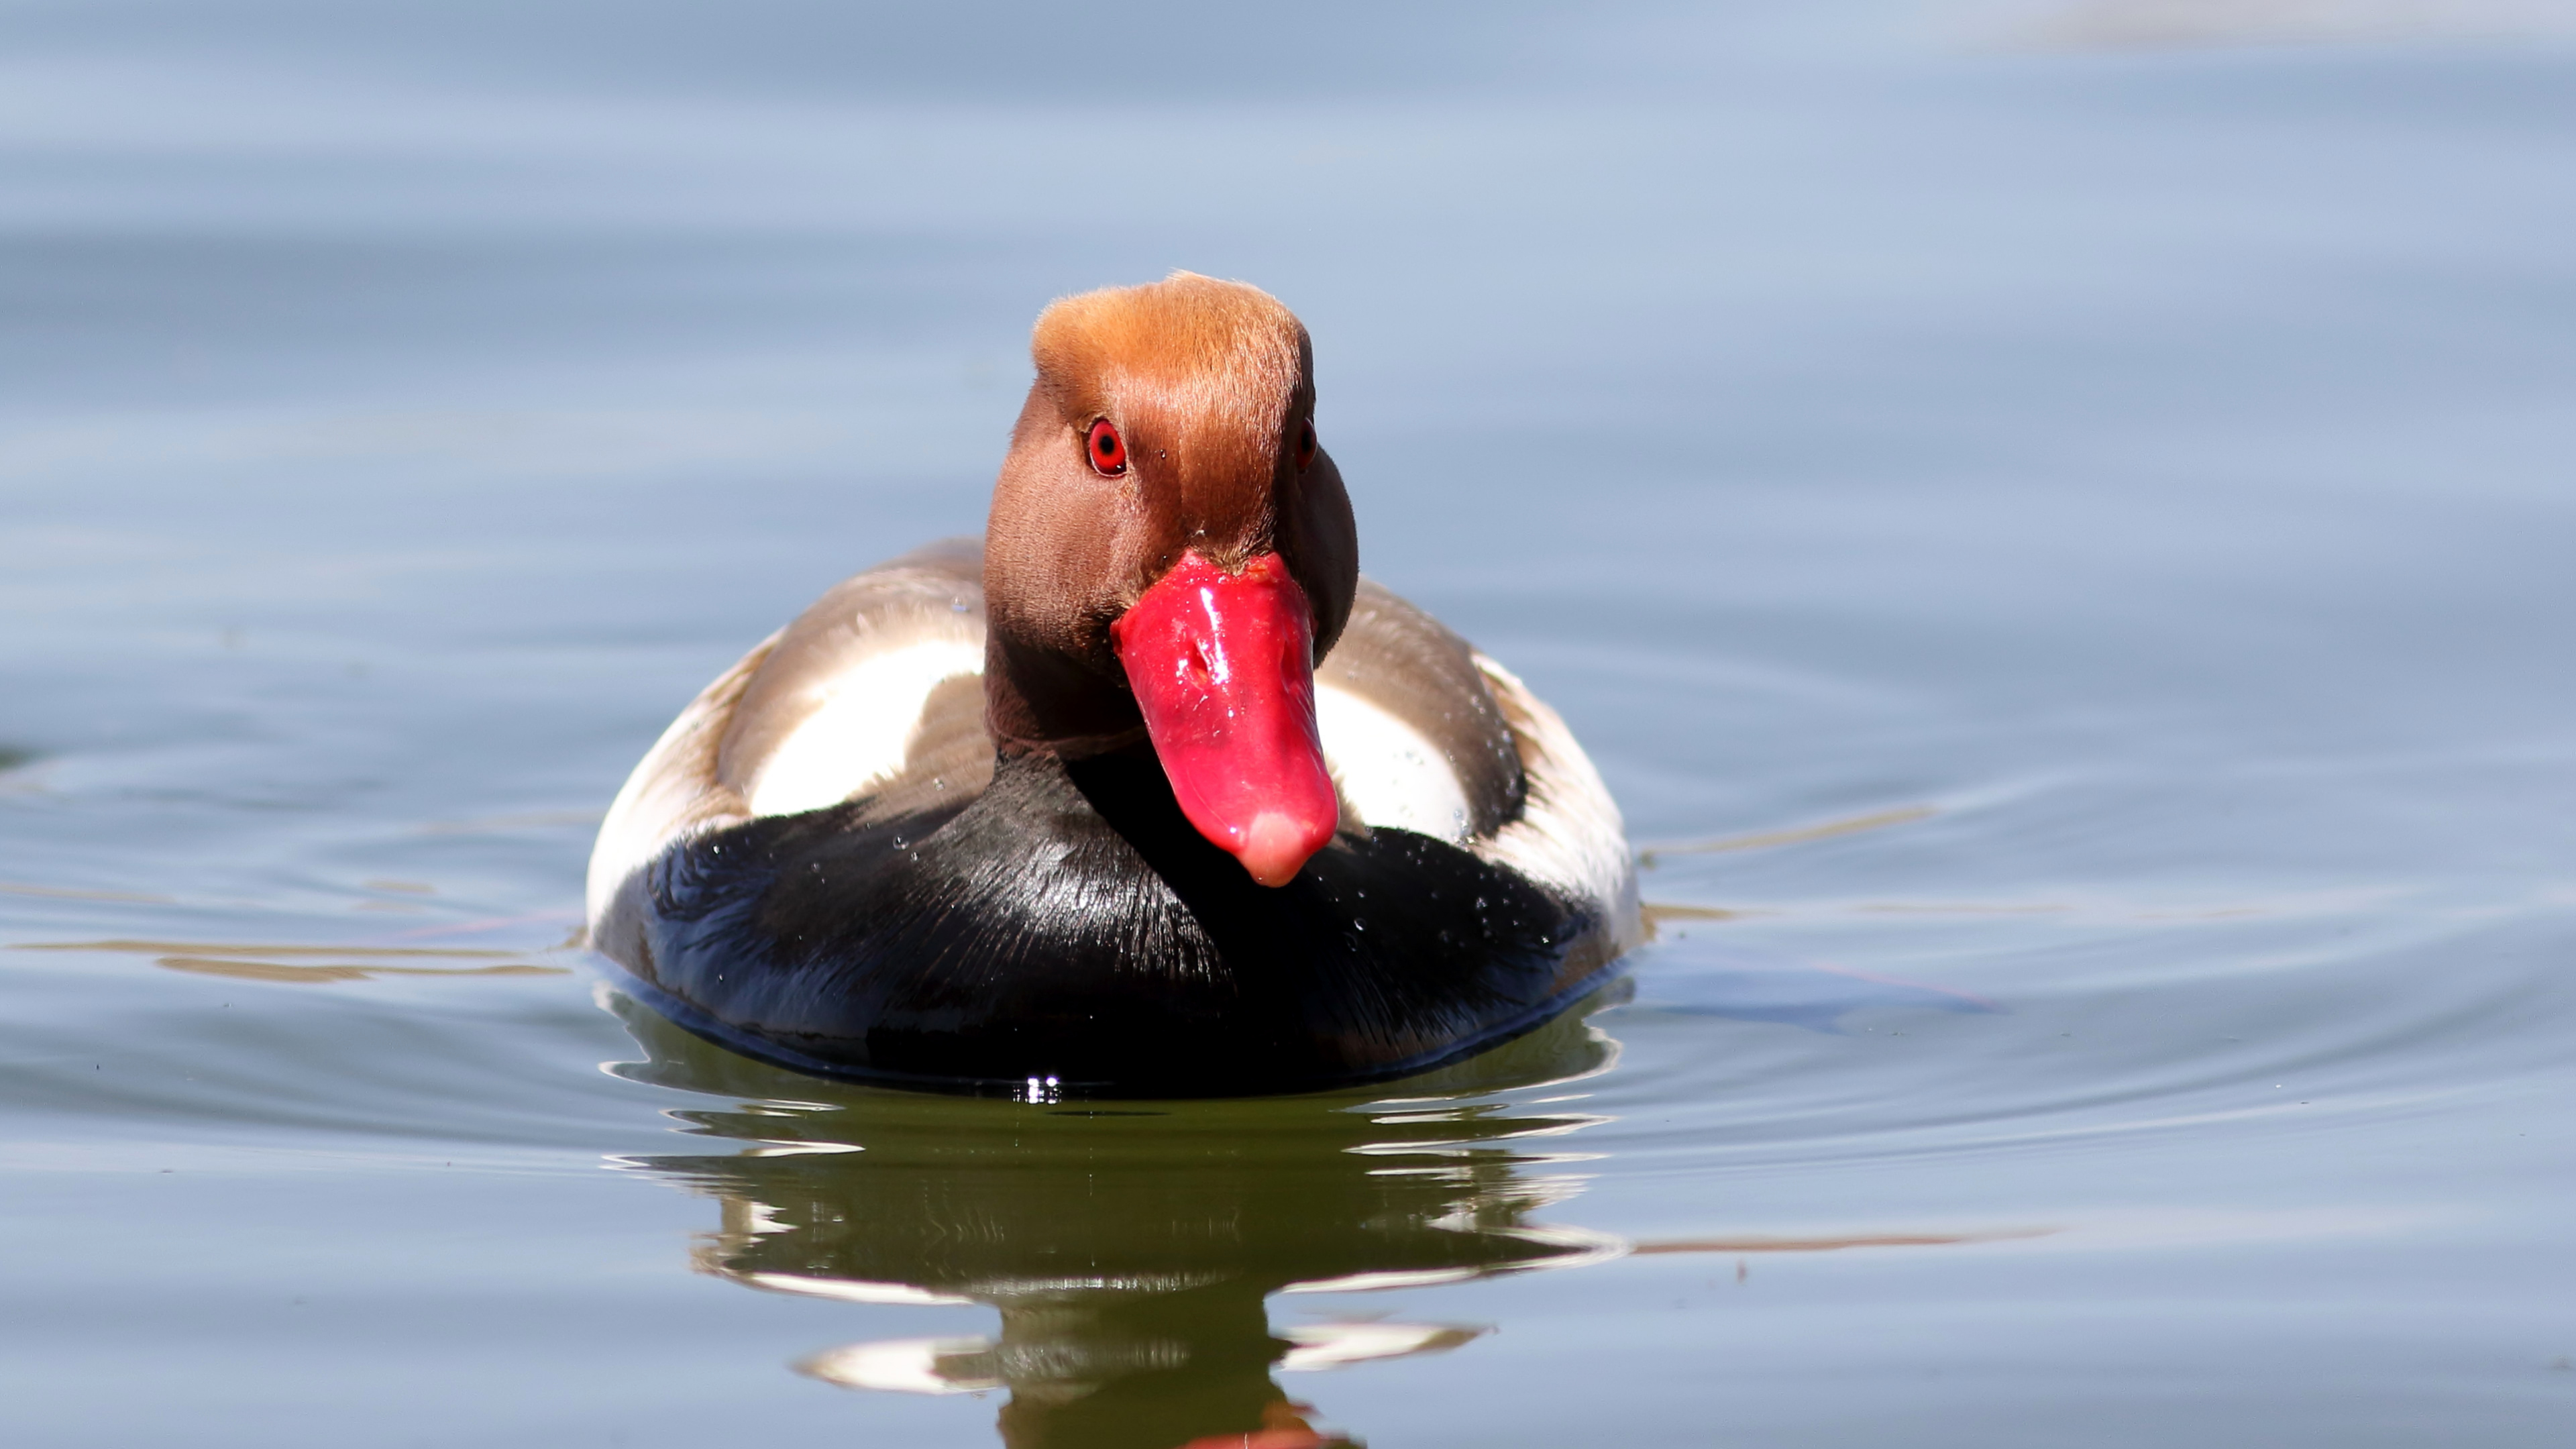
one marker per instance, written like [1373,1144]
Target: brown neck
[1040,702]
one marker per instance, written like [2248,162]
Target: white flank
[863,722]
[1390,775]
[1569,834]
[673,790]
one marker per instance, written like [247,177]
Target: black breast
[1068,926]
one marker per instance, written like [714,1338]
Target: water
[2072,502]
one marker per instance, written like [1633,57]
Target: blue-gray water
[2106,464]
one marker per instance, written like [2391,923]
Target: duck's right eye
[1107,450]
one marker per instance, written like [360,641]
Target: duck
[1145,792]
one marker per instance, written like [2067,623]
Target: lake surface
[2056,521]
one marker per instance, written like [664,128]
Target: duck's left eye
[1305,442]
[1108,450]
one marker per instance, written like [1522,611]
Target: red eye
[1108,450]
[1305,442]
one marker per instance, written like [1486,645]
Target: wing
[876,690]
[875,694]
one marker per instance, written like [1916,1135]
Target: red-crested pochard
[1147,793]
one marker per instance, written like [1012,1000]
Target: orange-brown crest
[1209,384]
[1202,376]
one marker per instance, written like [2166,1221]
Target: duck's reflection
[1130,1249]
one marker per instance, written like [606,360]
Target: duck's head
[1169,554]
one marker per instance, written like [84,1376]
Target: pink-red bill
[1223,666]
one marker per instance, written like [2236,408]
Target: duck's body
[901,842]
